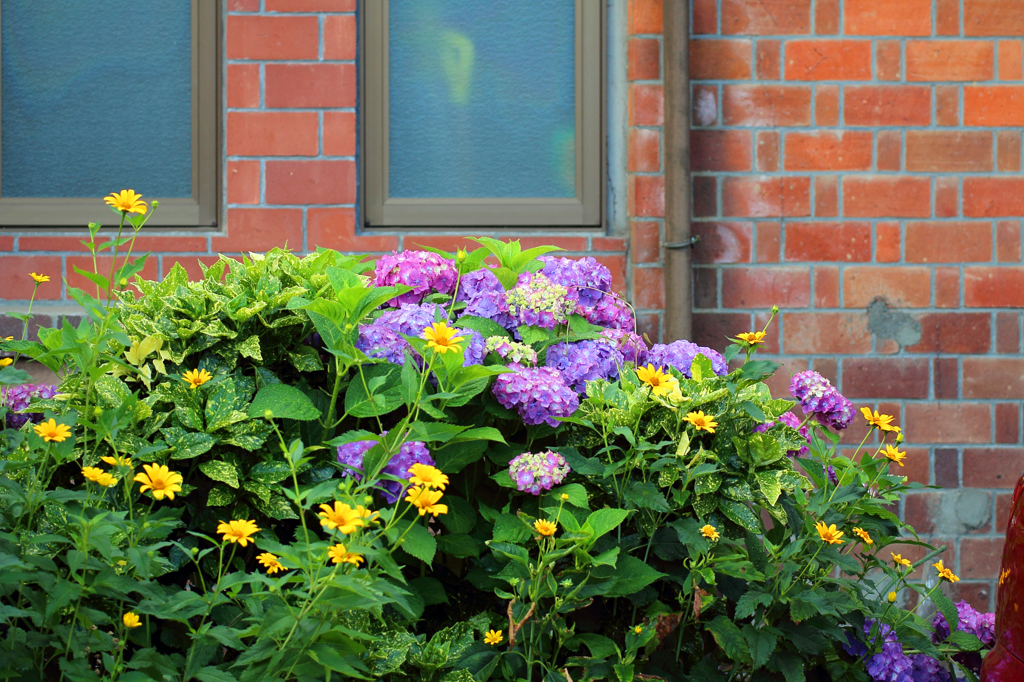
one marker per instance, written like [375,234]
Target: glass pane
[95,96]
[482,98]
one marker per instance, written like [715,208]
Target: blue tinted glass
[96,96]
[482,98]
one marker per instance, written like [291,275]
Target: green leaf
[187,444]
[461,516]
[755,550]
[222,471]
[457,545]
[604,521]
[632,575]
[576,492]
[12,376]
[748,603]
[965,640]
[220,496]
[729,637]
[420,543]
[510,528]
[948,609]
[250,348]
[647,496]
[486,327]
[212,674]
[701,367]
[285,402]
[384,384]
[790,665]
[761,644]
[740,514]
[768,482]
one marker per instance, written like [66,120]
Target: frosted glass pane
[95,96]
[482,99]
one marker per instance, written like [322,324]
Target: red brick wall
[846,152]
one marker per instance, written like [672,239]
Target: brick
[766,196]
[649,326]
[310,182]
[711,329]
[986,287]
[985,556]
[705,288]
[826,196]
[649,288]
[644,59]
[954,333]
[902,287]
[1011,60]
[243,86]
[1009,151]
[886,197]
[947,197]
[339,133]
[826,287]
[705,16]
[645,16]
[243,180]
[646,105]
[993,18]
[947,287]
[947,378]
[949,152]
[827,333]
[243,5]
[768,242]
[885,378]
[648,192]
[947,17]
[149,272]
[768,151]
[705,196]
[18,285]
[993,197]
[886,18]
[646,242]
[763,287]
[992,467]
[340,36]
[1008,248]
[994,378]
[297,86]
[310,5]
[887,242]
[826,60]
[720,150]
[947,105]
[993,105]
[887,105]
[260,229]
[273,133]
[769,55]
[847,242]
[334,228]
[1008,423]
[887,60]
[718,59]
[1007,333]
[766,17]
[644,154]
[890,150]
[826,17]
[919,511]
[766,105]
[950,60]
[826,105]
[6,244]
[617,244]
[705,105]
[261,37]
[945,242]
[722,242]
[1004,507]
[948,422]
[616,264]
[828,151]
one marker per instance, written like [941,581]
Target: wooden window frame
[586,209]
[203,207]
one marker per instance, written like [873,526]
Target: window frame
[586,209]
[202,209]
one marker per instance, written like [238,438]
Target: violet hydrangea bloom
[981,625]
[631,345]
[817,395]
[378,341]
[484,297]
[474,347]
[534,472]
[680,355]
[611,312]
[585,361]
[585,279]
[411,319]
[518,353]
[411,452]
[16,398]
[424,271]
[791,420]
[538,394]
[539,302]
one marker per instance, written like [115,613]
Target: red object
[1005,663]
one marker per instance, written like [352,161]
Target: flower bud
[775,310]
[156,204]
[195,550]
[97,411]
[268,414]
[124,281]
[460,256]
[368,500]
[892,597]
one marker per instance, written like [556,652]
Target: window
[104,95]
[482,113]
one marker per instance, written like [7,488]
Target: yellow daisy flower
[442,338]
[892,597]
[106,480]
[339,555]
[50,430]
[92,473]
[426,500]
[131,620]
[5,362]
[900,561]
[40,279]
[341,516]
[829,534]
[701,421]
[894,454]
[751,338]
[127,201]
[945,572]
[493,637]
[239,530]
[270,562]
[196,378]
[879,421]
[118,461]
[863,535]
[661,383]
[545,528]
[160,479]
[427,476]
[710,532]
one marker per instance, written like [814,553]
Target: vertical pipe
[678,283]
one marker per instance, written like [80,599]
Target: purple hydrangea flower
[472,284]
[539,394]
[818,396]
[378,341]
[927,669]
[518,353]
[833,478]
[680,355]
[631,345]
[611,312]
[411,319]
[585,279]
[424,271]
[585,361]
[16,398]
[539,302]
[791,420]
[534,472]
[484,297]
[411,452]
[981,625]
[891,664]
[475,347]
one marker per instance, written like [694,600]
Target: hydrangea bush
[442,467]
